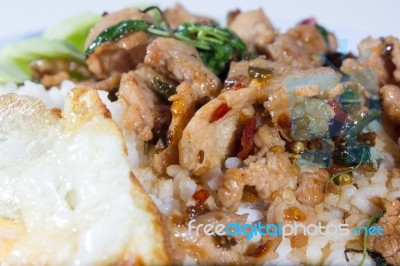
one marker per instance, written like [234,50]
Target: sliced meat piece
[390,96]
[117,57]
[302,46]
[311,183]
[388,245]
[108,84]
[378,57]
[183,63]
[274,176]
[254,28]
[182,109]
[177,15]
[268,137]
[207,139]
[144,106]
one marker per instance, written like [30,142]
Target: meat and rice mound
[248,124]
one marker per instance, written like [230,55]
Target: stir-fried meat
[108,84]
[381,56]
[302,46]
[144,106]
[207,250]
[268,137]
[206,141]
[177,15]
[388,245]
[182,62]
[290,212]
[253,27]
[203,152]
[53,72]
[267,178]
[390,96]
[182,109]
[117,57]
[311,182]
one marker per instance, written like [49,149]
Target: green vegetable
[163,89]
[73,30]
[350,99]
[373,220]
[357,128]
[116,32]
[10,72]
[217,46]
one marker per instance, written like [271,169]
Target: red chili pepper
[237,86]
[220,112]
[201,196]
[247,139]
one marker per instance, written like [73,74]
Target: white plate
[350,20]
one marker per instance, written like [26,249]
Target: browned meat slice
[53,72]
[391,102]
[208,138]
[388,245]
[177,15]
[253,27]
[206,250]
[144,107]
[108,84]
[113,58]
[274,176]
[182,109]
[382,56]
[268,137]
[182,62]
[311,186]
[302,46]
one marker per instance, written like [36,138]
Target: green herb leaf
[217,46]
[357,128]
[163,89]
[116,32]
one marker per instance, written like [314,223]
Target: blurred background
[350,20]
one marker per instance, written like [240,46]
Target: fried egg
[67,196]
